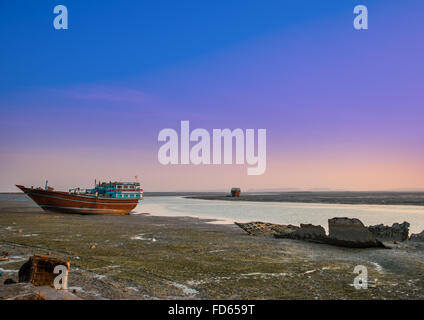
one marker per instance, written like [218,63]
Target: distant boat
[104,198]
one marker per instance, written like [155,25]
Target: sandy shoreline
[155,257]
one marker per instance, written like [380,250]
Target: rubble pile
[397,232]
[343,231]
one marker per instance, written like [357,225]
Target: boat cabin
[117,190]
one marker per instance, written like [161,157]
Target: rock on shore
[36,281]
[27,291]
[417,236]
[397,232]
[39,270]
[348,232]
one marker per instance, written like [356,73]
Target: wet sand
[153,257]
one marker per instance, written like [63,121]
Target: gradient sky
[343,108]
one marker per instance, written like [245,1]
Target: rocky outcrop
[342,232]
[352,233]
[307,232]
[417,237]
[397,232]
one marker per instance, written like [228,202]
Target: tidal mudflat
[335,197]
[145,256]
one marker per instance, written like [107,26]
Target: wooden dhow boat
[105,198]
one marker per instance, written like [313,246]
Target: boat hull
[57,201]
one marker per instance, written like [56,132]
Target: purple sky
[343,108]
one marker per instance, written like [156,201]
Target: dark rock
[4,256]
[343,232]
[9,281]
[351,233]
[24,274]
[417,237]
[397,232]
